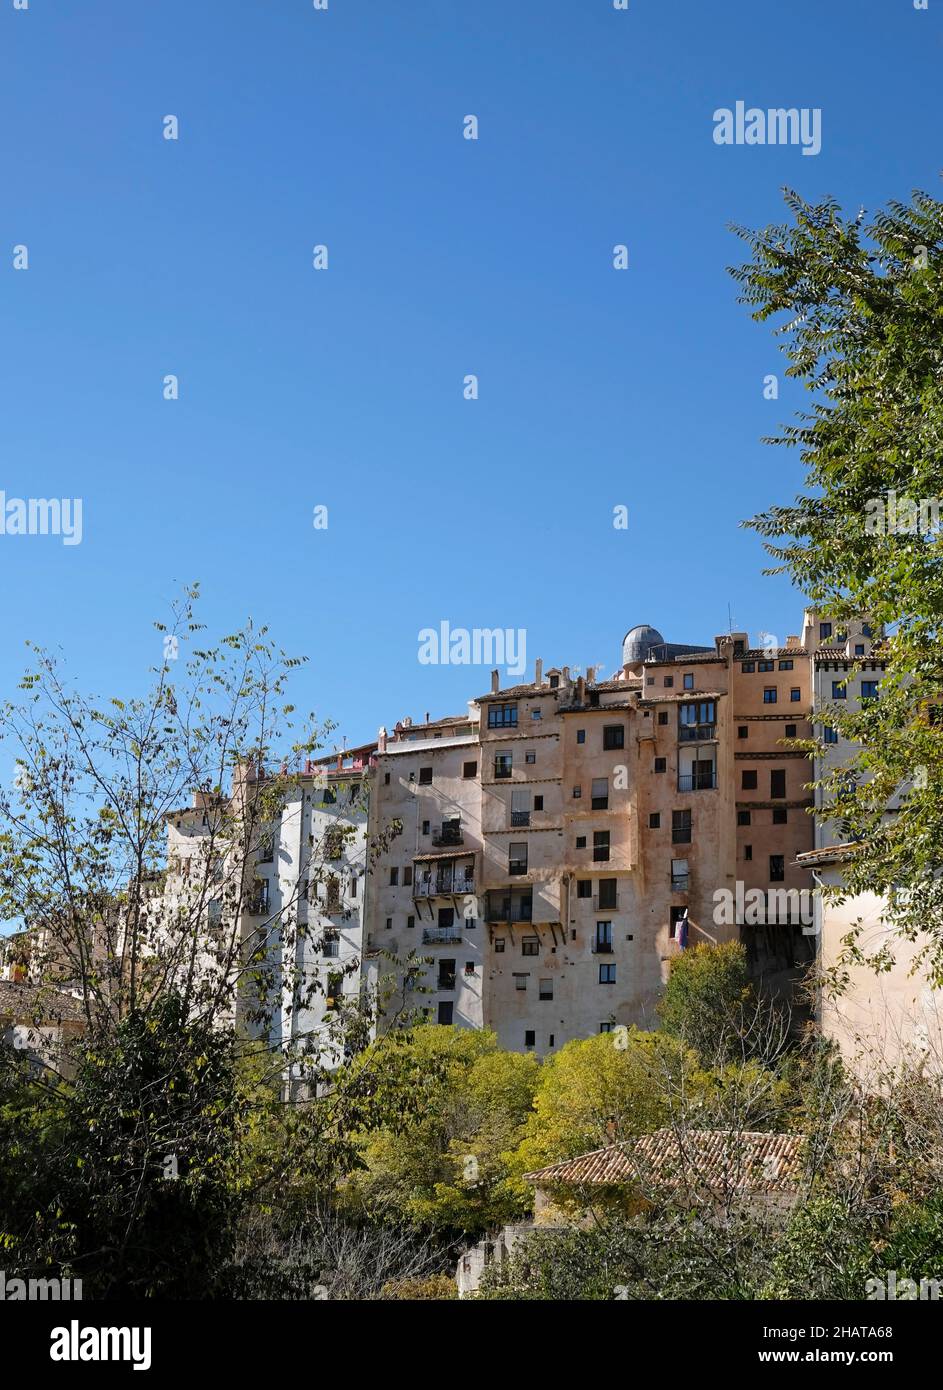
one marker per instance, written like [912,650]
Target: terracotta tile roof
[680,697]
[750,1162]
[26,1002]
[830,854]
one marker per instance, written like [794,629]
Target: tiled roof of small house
[749,1161]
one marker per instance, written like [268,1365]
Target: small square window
[538,803]
[790,731]
[425,776]
[743,731]
[769,695]
[669,681]
[584,888]
[795,694]
[859,649]
[780,815]
[530,946]
[663,716]
[581,842]
[748,667]
[743,817]
[825,630]
[785,666]
[530,1037]
[839,690]
[389,923]
[530,757]
[469,769]
[613,736]
[577,793]
[410,920]
[536,714]
[581,735]
[661,764]
[545,989]
[748,781]
[654,820]
[499,945]
[689,680]
[830,735]
[607,973]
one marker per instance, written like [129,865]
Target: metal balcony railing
[441,936]
[502,770]
[697,733]
[679,883]
[520,818]
[697,781]
[448,835]
[443,886]
[602,948]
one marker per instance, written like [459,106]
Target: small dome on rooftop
[638,642]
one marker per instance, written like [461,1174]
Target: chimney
[566,673]
[581,690]
[381,739]
[539,672]
[494,682]
[591,675]
[427,716]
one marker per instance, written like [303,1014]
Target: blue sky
[447,257]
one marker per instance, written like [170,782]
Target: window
[748,781]
[777,782]
[661,764]
[839,690]
[446,917]
[688,680]
[869,690]
[445,1011]
[520,981]
[425,827]
[538,803]
[607,973]
[520,807]
[825,630]
[446,979]
[696,720]
[545,989]
[743,817]
[410,920]
[613,736]
[769,695]
[790,731]
[577,793]
[408,876]
[386,779]
[536,714]
[353,885]
[859,649]
[654,820]
[795,694]
[681,827]
[530,758]
[584,888]
[517,857]
[608,892]
[581,842]
[581,735]
[469,769]
[600,846]
[748,668]
[830,735]
[743,731]
[603,937]
[530,1037]
[425,776]
[679,875]
[260,898]
[394,877]
[748,851]
[502,716]
[865,629]
[600,801]
[777,868]
[663,716]
[499,945]
[766,665]
[606,1027]
[780,815]
[389,923]
[785,666]
[669,681]
[502,764]
[530,946]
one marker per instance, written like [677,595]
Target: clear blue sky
[447,257]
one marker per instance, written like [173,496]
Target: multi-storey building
[424,885]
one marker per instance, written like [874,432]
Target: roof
[829,854]
[29,1002]
[750,1161]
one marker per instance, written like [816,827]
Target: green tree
[859,308]
[708,1000]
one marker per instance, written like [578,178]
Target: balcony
[602,948]
[697,733]
[443,886]
[510,909]
[520,818]
[697,781]
[441,936]
[448,834]
[502,770]
[446,981]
